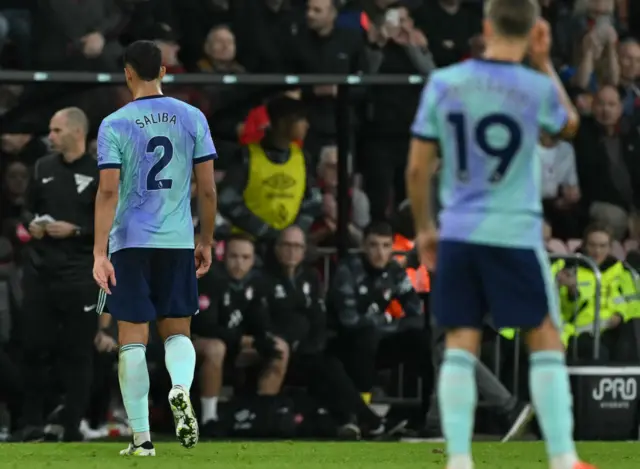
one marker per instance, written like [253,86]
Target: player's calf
[134,380]
[457,395]
[551,394]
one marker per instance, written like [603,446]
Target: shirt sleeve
[425,124]
[109,155]
[204,149]
[553,116]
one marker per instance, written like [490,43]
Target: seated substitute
[362,288]
[298,315]
[268,188]
[231,329]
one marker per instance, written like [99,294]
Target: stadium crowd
[279,314]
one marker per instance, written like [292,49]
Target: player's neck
[146,90]
[505,51]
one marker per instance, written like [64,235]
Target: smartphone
[392,17]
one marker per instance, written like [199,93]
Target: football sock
[209,408]
[457,396]
[551,396]
[180,360]
[134,386]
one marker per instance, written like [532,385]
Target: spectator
[298,315]
[264,34]
[629,53]
[220,52]
[232,332]
[12,207]
[59,293]
[560,190]
[268,189]
[15,25]
[577,295]
[363,287]
[20,143]
[322,47]
[324,230]
[449,25]
[608,164]
[396,48]
[77,35]
[594,46]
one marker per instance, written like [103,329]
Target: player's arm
[204,154]
[109,163]
[559,115]
[423,158]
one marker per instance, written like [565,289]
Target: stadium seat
[573,244]
[556,246]
[617,250]
[630,245]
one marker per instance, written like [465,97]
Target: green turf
[283,455]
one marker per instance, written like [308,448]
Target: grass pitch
[307,455]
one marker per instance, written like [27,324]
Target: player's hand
[540,44]
[103,273]
[60,229]
[203,259]
[104,342]
[36,230]
[426,243]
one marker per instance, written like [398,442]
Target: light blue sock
[551,396]
[180,359]
[134,385]
[457,396]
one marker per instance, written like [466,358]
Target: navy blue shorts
[514,287]
[153,283]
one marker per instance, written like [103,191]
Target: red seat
[574,244]
[556,246]
[617,250]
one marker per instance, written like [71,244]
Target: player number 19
[154,184]
[504,154]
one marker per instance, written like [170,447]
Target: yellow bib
[275,191]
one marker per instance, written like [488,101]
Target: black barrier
[23,77]
[605,402]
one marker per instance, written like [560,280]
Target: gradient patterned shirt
[155,141]
[487,116]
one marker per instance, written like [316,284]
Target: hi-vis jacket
[617,289]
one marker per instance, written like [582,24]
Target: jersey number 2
[505,153]
[154,184]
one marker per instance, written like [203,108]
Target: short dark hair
[247,238]
[597,227]
[512,18]
[378,228]
[145,58]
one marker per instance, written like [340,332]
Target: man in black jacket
[232,329]
[298,315]
[368,337]
[59,292]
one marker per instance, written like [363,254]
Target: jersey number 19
[504,154]
[154,184]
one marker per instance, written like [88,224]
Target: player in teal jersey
[147,152]
[483,117]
